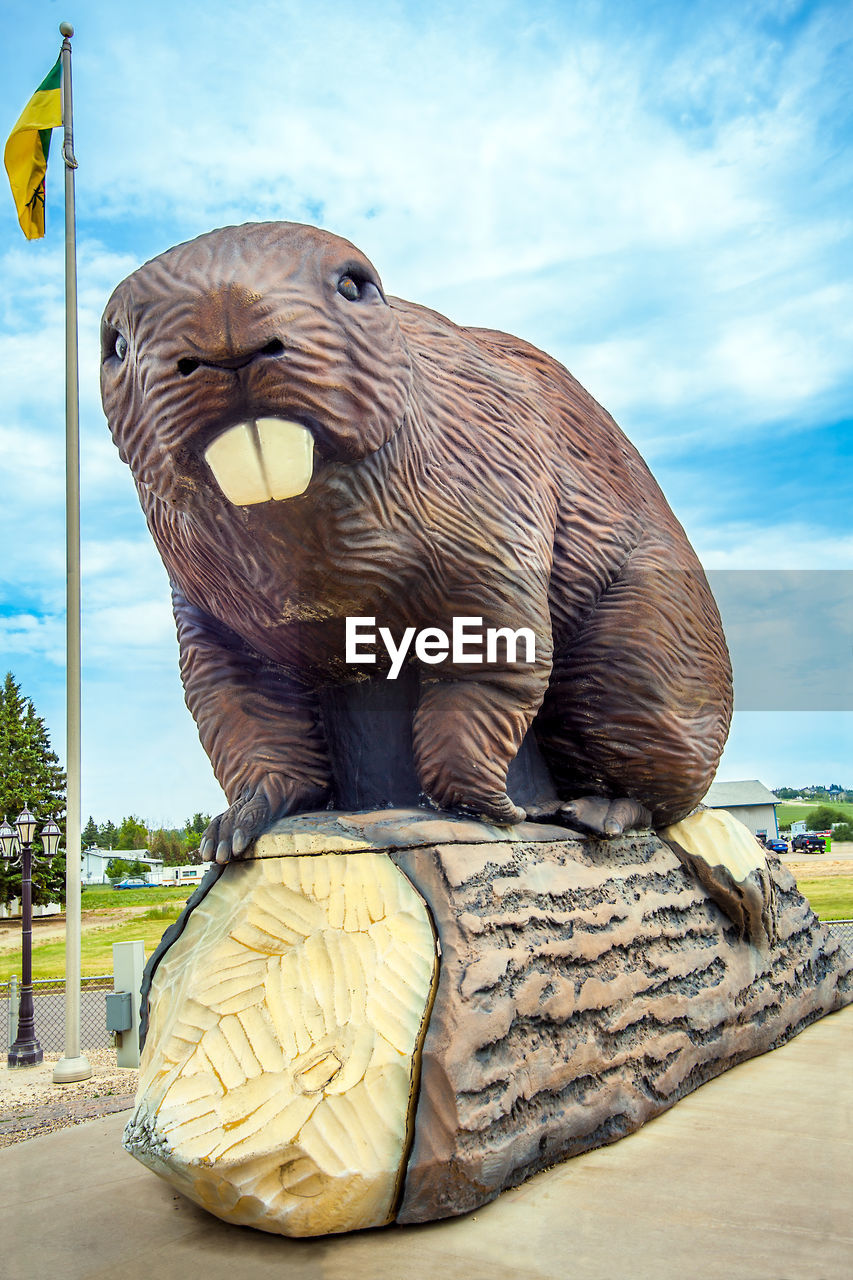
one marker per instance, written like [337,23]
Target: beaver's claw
[496,808]
[601,816]
[254,812]
[230,834]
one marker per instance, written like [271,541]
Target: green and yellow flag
[26,151]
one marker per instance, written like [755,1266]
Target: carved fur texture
[457,472]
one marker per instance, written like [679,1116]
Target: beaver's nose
[189,364]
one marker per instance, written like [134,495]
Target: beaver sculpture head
[308,450]
[338,371]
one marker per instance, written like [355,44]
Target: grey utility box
[119,1011]
[128,965]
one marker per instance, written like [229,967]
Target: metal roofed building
[94,863]
[750,802]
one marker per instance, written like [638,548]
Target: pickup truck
[808,844]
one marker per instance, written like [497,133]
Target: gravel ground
[31,1104]
[818,870]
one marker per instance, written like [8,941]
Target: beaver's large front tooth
[235,460]
[259,461]
[287,453]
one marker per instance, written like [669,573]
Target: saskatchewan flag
[26,151]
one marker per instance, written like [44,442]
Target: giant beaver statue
[308,450]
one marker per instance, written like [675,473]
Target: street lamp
[26,1051]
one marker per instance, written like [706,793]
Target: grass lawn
[831,897]
[100,897]
[164,906]
[786,813]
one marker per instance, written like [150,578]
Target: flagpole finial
[66,29]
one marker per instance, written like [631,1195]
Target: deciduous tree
[124,869]
[132,834]
[194,830]
[169,846]
[822,818]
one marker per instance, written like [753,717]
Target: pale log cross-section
[281,1064]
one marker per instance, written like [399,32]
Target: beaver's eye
[349,288]
[114,345]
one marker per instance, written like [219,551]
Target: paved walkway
[749,1177]
[838,853]
[32,1105]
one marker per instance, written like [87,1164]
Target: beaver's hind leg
[639,702]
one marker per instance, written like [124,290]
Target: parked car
[132,884]
[808,844]
[777,846]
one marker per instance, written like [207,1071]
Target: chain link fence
[49,1009]
[843,931]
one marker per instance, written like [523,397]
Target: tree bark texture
[585,986]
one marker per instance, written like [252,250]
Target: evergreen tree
[107,835]
[30,774]
[89,834]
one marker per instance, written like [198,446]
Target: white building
[189,873]
[750,802]
[94,862]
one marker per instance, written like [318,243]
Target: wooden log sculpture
[308,450]
[393,1017]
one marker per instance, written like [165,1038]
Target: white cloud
[789,355]
[34,635]
[782,544]
[127,617]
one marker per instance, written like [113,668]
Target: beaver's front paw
[600,816]
[231,833]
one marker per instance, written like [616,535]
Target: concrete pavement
[749,1177]
[840,852]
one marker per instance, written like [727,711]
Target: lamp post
[26,1051]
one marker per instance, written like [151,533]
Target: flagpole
[74,1066]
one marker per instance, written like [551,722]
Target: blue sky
[658,194]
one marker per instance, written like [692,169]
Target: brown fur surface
[460,472]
